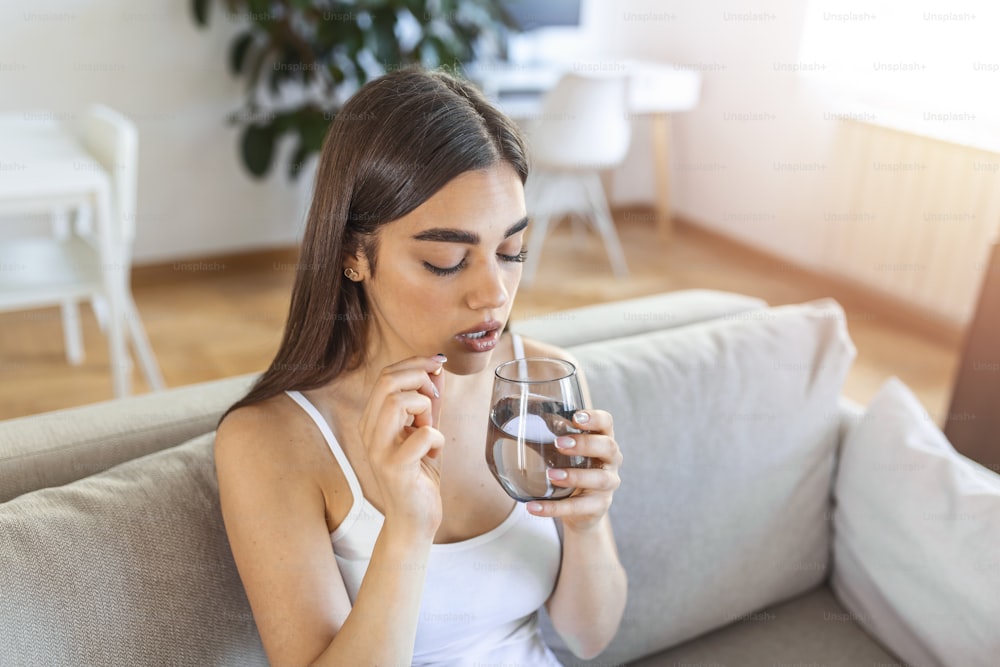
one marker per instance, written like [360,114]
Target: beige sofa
[112,550]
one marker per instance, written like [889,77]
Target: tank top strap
[331,440]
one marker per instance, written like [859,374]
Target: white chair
[90,259]
[583,128]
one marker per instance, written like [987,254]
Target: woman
[368,429]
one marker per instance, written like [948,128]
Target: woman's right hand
[398,430]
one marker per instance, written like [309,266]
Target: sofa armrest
[59,447]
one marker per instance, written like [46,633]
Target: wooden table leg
[661,157]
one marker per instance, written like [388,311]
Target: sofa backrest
[729,430]
[40,451]
[55,448]
[630,317]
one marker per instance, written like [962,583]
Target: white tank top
[481,595]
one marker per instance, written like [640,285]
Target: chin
[465,364]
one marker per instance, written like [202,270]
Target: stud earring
[352,274]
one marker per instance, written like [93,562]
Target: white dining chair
[83,259]
[583,129]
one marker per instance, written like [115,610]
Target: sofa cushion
[812,629]
[59,447]
[127,567]
[917,537]
[630,317]
[729,430]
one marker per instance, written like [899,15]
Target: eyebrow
[445,235]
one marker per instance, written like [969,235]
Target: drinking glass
[533,403]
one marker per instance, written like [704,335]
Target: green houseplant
[301,59]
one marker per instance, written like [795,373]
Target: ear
[358,262]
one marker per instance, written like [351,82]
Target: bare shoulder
[272,503]
[262,439]
[246,432]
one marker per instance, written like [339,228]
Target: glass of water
[533,403]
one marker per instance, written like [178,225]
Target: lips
[481,338]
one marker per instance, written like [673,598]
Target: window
[927,66]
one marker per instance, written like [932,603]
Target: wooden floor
[213,318]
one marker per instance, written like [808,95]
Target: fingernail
[437,394]
[564,442]
[534,507]
[556,474]
[581,417]
[440,358]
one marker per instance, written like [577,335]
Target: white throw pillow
[917,537]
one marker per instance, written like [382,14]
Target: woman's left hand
[595,485]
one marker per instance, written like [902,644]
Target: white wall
[151,61]
[748,161]
[752,161]
[756,159]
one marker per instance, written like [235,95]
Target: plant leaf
[318,48]
[313,126]
[311,123]
[238,52]
[354,40]
[257,67]
[360,73]
[261,13]
[336,73]
[257,148]
[200,10]
[383,34]
[275,78]
[297,161]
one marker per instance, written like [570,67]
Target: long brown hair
[395,143]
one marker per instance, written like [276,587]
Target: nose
[487,290]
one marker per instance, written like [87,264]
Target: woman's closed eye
[444,271]
[519,257]
[449,270]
